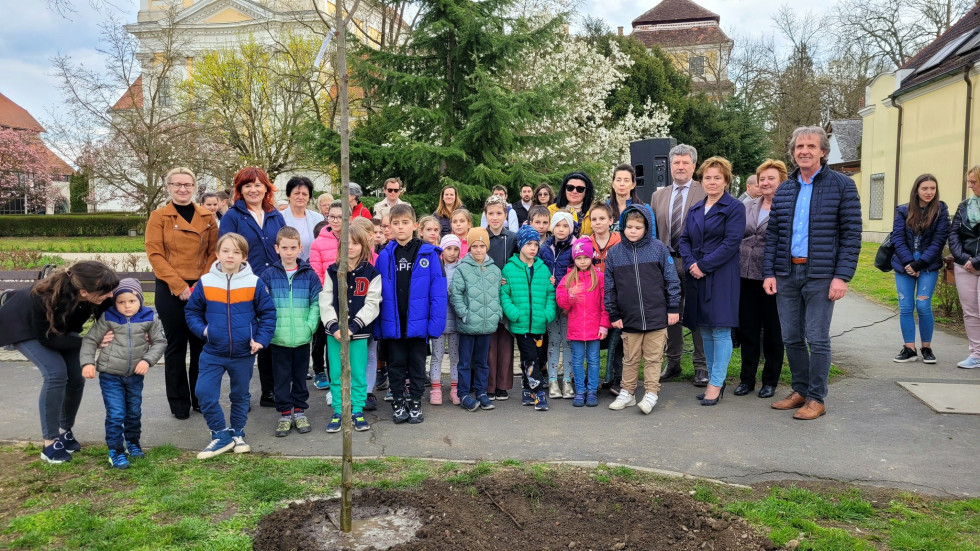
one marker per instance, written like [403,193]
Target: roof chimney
[620,31]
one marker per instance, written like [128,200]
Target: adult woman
[709,247]
[575,196]
[448,202]
[180,245]
[43,323]
[543,195]
[758,318]
[356,207]
[623,192]
[964,243]
[255,218]
[299,189]
[323,204]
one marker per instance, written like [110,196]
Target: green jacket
[475,295]
[529,303]
[297,310]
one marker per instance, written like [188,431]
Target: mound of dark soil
[515,510]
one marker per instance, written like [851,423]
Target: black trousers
[319,350]
[289,367]
[759,330]
[179,378]
[406,360]
[531,347]
[266,380]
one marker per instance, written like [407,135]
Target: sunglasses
[576,189]
[392,190]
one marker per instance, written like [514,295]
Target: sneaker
[330,398]
[388,397]
[485,402]
[360,423]
[646,404]
[555,389]
[284,425]
[71,445]
[540,401]
[267,400]
[221,442]
[569,390]
[625,399]
[969,363]
[491,395]
[591,400]
[371,403]
[615,389]
[400,412]
[134,450]
[56,453]
[453,395]
[469,403]
[579,400]
[927,356]
[527,398]
[118,460]
[334,424]
[301,422]
[241,446]
[435,395]
[906,355]
[501,395]
[415,412]
[320,381]
[382,384]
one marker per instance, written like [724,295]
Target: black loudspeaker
[649,160]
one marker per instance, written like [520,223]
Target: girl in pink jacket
[323,251]
[580,293]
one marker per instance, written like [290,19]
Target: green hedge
[70,225]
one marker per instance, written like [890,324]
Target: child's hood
[144,314]
[647,216]
[244,272]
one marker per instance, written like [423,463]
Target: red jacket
[586,311]
[599,254]
[360,210]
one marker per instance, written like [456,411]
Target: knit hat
[476,235]
[562,216]
[450,241]
[129,285]
[527,234]
[582,247]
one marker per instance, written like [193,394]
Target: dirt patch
[520,509]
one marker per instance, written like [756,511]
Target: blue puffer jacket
[931,241]
[557,256]
[261,241]
[835,227]
[297,311]
[427,295]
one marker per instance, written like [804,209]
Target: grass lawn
[114,244]
[172,501]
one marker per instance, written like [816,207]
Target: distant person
[521,207]
[211,202]
[448,203]
[299,189]
[544,195]
[323,204]
[511,224]
[223,199]
[393,189]
[751,189]
[623,192]
[356,207]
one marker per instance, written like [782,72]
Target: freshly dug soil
[512,509]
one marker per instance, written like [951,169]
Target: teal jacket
[475,296]
[528,299]
[297,311]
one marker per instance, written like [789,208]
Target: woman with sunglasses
[575,196]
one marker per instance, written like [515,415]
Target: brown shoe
[794,400]
[811,410]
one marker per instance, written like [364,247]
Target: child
[556,253]
[603,239]
[528,301]
[231,310]
[503,245]
[378,236]
[539,217]
[461,221]
[386,228]
[294,288]
[323,251]
[643,296]
[137,335]
[371,403]
[364,299]
[413,310]
[368,226]
[429,228]
[449,340]
[580,294]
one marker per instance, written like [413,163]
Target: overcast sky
[31,34]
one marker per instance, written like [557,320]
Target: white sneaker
[646,404]
[969,363]
[625,399]
[240,445]
[329,397]
[555,390]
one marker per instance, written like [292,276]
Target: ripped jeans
[915,295]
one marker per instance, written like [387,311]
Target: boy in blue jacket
[413,309]
[231,310]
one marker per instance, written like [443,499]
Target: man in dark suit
[670,205]
[521,207]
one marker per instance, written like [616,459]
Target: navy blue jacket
[712,240]
[427,295]
[835,227]
[931,242]
[557,256]
[261,241]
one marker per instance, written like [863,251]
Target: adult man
[670,205]
[521,207]
[222,203]
[751,189]
[812,247]
[356,207]
[393,189]
[511,223]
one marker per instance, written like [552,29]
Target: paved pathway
[874,432]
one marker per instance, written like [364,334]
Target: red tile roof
[132,97]
[672,38]
[15,116]
[57,164]
[675,11]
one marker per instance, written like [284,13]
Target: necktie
[676,220]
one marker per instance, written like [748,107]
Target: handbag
[883,259]
[949,275]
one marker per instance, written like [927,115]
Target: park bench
[11,280]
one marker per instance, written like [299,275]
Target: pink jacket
[586,310]
[323,252]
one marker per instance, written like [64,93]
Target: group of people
[559,274]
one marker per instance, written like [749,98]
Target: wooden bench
[11,280]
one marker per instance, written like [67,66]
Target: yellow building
[920,119]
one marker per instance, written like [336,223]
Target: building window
[164,94]
[877,207]
[695,66]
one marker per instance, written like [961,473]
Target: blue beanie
[525,235]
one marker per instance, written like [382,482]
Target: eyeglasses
[183,186]
[392,190]
[576,189]
[334,218]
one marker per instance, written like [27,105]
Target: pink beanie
[582,247]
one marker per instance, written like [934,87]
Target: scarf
[973,210]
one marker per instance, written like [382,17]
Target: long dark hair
[634,198]
[562,201]
[59,291]
[921,218]
[551,194]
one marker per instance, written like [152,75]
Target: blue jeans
[208,389]
[585,351]
[717,352]
[804,316]
[473,370]
[915,294]
[123,399]
[61,392]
